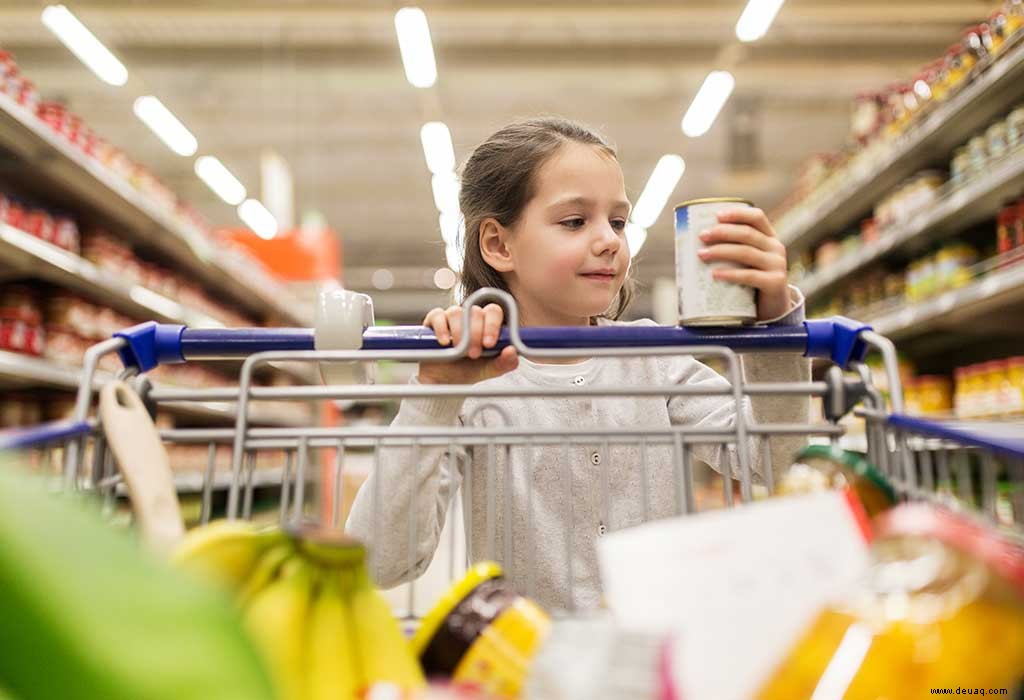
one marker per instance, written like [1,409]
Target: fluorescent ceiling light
[451,223]
[84,44]
[219,179]
[708,102]
[659,188]
[756,19]
[165,125]
[437,147]
[258,218]
[414,43]
[446,192]
[635,237]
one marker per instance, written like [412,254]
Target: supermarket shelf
[29,254]
[57,163]
[960,209]
[993,93]
[996,292]
[28,371]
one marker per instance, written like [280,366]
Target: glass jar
[975,41]
[956,65]
[977,149]
[996,24]
[941,605]
[820,468]
[960,166]
[935,394]
[483,633]
[1015,128]
[996,140]
[1013,10]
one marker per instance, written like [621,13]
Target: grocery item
[703,300]
[960,166]
[482,632]
[1015,129]
[85,615]
[824,467]
[997,140]
[226,551]
[277,620]
[384,654]
[940,588]
[288,586]
[331,664]
[934,394]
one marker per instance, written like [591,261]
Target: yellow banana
[225,551]
[265,571]
[331,662]
[277,620]
[385,655]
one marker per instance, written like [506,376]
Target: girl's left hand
[745,236]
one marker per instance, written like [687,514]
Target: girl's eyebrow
[586,202]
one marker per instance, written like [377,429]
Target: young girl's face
[568,252]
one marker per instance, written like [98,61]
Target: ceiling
[322,83]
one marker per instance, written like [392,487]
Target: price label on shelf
[734,589]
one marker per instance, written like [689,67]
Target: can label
[703,300]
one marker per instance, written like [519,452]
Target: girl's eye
[619,224]
[573,223]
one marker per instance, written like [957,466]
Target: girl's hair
[498,181]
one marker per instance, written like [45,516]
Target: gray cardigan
[551,502]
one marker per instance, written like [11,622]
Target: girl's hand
[745,236]
[485,324]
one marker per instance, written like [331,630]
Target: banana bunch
[310,607]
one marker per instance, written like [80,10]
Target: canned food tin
[703,300]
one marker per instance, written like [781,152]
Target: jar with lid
[820,468]
[996,140]
[940,587]
[935,394]
[956,65]
[996,24]
[977,149]
[1013,10]
[1015,128]
[960,166]
[975,41]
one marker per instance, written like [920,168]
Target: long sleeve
[720,411]
[406,490]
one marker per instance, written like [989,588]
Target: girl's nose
[607,240]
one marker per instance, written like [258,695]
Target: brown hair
[498,182]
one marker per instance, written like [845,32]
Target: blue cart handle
[151,344]
[43,434]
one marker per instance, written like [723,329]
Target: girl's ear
[494,245]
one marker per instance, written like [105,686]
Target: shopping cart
[956,466]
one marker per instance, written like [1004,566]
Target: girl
[545,215]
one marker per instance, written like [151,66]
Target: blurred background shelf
[994,92]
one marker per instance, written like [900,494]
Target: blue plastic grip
[837,338]
[42,435]
[151,344]
[241,342]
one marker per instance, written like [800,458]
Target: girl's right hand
[485,324]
